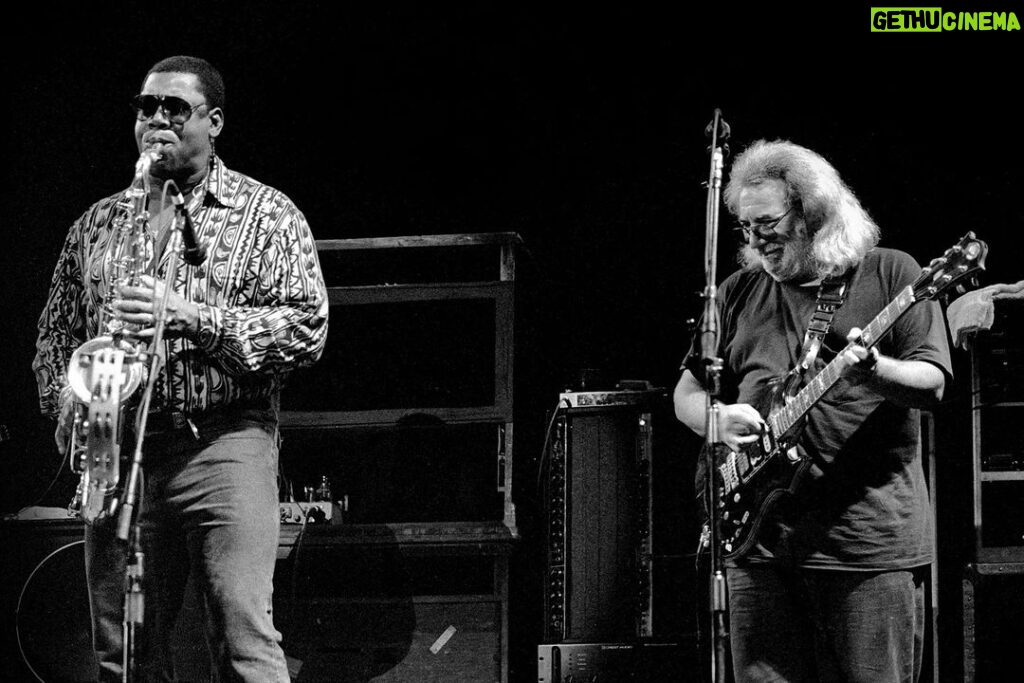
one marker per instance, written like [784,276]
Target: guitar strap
[831,295]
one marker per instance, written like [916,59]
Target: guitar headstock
[958,264]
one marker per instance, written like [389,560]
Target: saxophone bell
[86,380]
[104,374]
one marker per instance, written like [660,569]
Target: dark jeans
[210,511]
[825,625]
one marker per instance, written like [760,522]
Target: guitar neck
[794,410]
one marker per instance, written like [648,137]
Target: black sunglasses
[177,110]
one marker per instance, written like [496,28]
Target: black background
[580,129]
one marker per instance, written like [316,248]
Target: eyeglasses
[177,110]
[764,229]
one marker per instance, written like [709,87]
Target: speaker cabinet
[993,580]
[997,402]
[372,610]
[49,636]
[993,604]
[45,628]
[385,603]
[608,552]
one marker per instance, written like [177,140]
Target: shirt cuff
[208,334]
[65,396]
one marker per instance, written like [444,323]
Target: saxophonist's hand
[137,306]
[65,420]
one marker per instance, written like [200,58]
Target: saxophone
[105,372]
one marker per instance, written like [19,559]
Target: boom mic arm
[193,253]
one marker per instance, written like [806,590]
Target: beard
[788,259]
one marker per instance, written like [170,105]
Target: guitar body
[749,483]
[742,512]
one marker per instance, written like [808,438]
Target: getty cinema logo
[934,20]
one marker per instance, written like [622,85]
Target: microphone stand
[718,130]
[127,523]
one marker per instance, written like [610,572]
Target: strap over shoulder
[831,295]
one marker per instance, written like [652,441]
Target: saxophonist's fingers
[133,306]
[169,333]
[133,293]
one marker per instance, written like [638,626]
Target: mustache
[798,250]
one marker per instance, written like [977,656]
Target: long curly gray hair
[841,230]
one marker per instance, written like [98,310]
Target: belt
[166,422]
[163,421]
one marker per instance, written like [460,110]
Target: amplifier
[612,662]
[598,530]
[620,521]
[614,500]
[593,399]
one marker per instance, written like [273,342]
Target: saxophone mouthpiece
[146,160]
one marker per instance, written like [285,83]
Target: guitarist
[832,590]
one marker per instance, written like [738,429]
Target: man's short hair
[211,84]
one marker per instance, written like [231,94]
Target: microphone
[723,131]
[193,252]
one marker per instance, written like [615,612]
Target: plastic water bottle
[324,491]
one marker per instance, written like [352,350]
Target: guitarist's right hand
[739,424]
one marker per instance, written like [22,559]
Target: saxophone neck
[141,184]
[145,162]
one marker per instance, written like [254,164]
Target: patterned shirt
[261,296]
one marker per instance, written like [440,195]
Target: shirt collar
[214,188]
[218,190]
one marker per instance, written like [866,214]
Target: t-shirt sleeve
[921,334]
[694,358]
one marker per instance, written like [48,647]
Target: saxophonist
[235,326]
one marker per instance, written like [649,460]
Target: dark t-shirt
[864,504]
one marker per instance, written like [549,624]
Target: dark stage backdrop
[582,130]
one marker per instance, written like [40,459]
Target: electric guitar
[748,483]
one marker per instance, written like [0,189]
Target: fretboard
[785,417]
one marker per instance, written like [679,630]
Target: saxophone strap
[831,295]
[160,225]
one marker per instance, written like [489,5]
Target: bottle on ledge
[323,492]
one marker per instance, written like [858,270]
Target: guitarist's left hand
[861,361]
[909,383]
